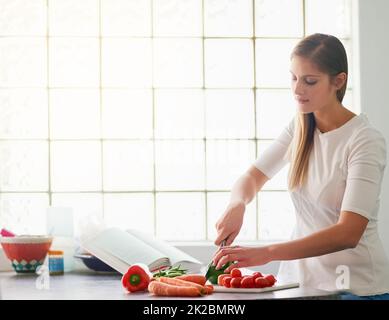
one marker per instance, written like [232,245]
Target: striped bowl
[26,252]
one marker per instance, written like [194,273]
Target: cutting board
[256,290]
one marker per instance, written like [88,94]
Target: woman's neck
[333,117]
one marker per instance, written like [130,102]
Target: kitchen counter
[94,286]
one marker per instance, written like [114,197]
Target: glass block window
[145,112]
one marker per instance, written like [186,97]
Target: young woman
[337,161]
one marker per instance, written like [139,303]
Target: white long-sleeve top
[346,168]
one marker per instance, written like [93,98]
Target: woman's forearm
[243,190]
[325,241]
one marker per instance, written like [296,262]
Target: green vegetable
[170,272]
[212,274]
[213,279]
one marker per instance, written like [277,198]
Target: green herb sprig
[170,272]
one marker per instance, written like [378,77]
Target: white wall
[372,35]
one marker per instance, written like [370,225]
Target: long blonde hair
[329,55]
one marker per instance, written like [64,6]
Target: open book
[120,249]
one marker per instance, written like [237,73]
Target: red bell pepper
[136,278]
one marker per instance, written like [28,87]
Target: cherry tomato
[221,277]
[227,282]
[271,279]
[236,282]
[256,275]
[236,273]
[261,282]
[247,282]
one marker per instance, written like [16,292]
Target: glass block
[177,18]
[330,17]
[23,18]
[128,165]
[24,166]
[73,18]
[229,63]
[127,114]
[280,180]
[74,114]
[217,203]
[179,165]
[275,109]
[76,166]
[228,18]
[24,213]
[230,114]
[227,161]
[178,63]
[126,63]
[23,114]
[87,208]
[179,113]
[180,216]
[126,18]
[23,62]
[130,211]
[273,62]
[74,62]
[276,216]
[279,18]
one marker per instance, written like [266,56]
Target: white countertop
[95,286]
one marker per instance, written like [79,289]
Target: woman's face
[311,88]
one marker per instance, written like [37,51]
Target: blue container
[56,262]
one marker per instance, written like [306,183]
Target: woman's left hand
[242,256]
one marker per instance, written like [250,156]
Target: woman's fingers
[224,259]
[222,252]
[241,256]
[222,236]
[219,253]
[231,238]
[238,264]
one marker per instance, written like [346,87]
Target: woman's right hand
[230,223]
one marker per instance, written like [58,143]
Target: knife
[211,270]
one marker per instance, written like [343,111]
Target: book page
[175,255]
[126,247]
[116,263]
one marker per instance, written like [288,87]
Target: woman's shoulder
[366,137]
[365,132]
